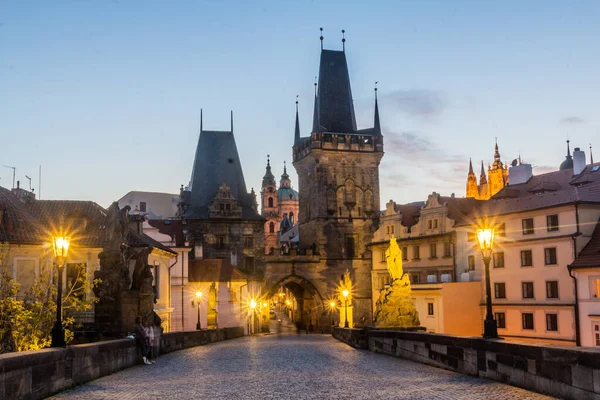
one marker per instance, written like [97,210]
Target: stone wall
[40,373]
[566,372]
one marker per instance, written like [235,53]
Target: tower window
[271,227]
[292,218]
[270,202]
[142,206]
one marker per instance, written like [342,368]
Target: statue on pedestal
[395,307]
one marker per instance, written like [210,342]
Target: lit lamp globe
[486,244]
[486,241]
[345,292]
[332,304]
[253,304]
[60,245]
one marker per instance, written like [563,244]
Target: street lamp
[332,308]
[486,243]
[345,293]
[60,244]
[198,297]
[253,308]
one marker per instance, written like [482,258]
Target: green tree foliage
[27,314]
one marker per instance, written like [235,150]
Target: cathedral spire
[471,167]
[482,177]
[297,131]
[377,125]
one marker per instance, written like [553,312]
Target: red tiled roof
[590,255]
[17,225]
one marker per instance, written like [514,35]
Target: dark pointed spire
[376,125]
[568,148]
[591,155]
[343,40]
[316,125]
[568,162]
[268,179]
[321,29]
[285,178]
[482,177]
[297,130]
[471,167]
[284,168]
[200,120]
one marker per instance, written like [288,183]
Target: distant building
[153,205]
[276,205]
[497,178]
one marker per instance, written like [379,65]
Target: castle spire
[471,167]
[316,124]
[482,177]
[377,125]
[297,131]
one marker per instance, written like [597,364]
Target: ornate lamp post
[332,309]
[486,244]
[198,297]
[253,308]
[345,293]
[60,244]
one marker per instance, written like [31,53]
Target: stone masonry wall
[566,372]
[40,373]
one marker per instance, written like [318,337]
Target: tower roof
[334,108]
[482,177]
[269,178]
[376,123]
[297,130]
[568,162]
[217,162]
[471,167]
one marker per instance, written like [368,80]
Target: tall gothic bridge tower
[338,171]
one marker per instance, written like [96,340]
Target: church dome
[567,164]
[287,193]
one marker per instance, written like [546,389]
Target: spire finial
[321,29]
[231,121]
[344,40]
[268,160]
[284,167]
[591,155]
[376,82]
[568,148]
[376,123]
[315,86]
[297,102]
[200,120]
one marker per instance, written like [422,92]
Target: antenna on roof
[14,173]
[29,182]
[321,29]
[343,40]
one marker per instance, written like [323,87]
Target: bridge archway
[310,306]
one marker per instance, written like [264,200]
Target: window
[430,309]
[249,263]
[156,276]
[232,295]
[447,249]
[527,290]
[415,278]
[596,326]
[550,256]
[270,202]
[500,318]
[552,222]
[405,253]
[527,321]
[471,237]
[292,218]
[220,242]
[248,242]
[221,207]
[435,224]
[471,260]
[350,246]
[499,260]
[500,290]
[552,289]
[390,229]
[429,224]
[416,254]
[552,322]
[142,206]
[595,287]
[500,230]
[75,272]
[227,207]
[527,226]
[526,258]
[433,250]
[382,255]
[271,227]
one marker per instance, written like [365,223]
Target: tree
[27,315]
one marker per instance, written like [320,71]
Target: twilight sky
[106,95]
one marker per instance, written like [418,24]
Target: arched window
[271,227]
[292,218]
[270,202]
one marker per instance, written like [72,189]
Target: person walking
[142,339]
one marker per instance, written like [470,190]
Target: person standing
[141,340]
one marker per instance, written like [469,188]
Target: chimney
[578,161]
[519,174]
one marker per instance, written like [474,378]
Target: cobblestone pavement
[289,367]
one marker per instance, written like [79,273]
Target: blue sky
[106,95]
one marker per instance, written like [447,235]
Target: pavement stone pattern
[289,366]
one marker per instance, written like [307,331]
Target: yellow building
[497,178]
